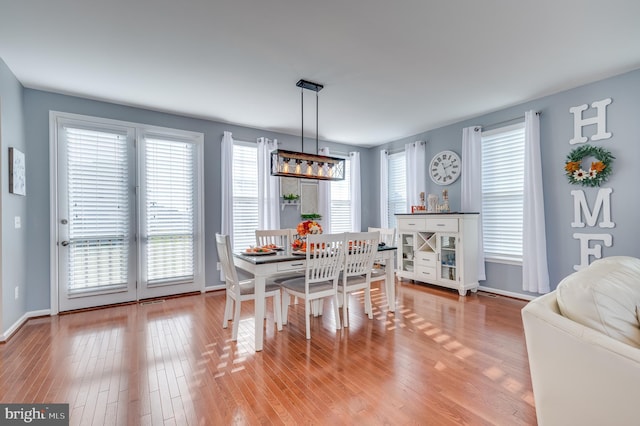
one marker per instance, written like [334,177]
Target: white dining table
[269,266]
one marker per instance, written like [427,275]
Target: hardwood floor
[441,359]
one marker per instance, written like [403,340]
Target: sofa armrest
[579,375]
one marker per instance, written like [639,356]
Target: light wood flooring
[441,359]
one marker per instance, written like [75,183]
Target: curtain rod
[503,123]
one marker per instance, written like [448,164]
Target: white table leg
[390,280]
[259,311]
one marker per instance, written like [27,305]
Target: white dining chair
[240,291]
[279,237]
[387,235]
[324,258]
[360,251]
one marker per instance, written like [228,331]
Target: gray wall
[556,128]
[37,107]
[14,241]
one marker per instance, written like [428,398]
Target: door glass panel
[98,210]
[170,210]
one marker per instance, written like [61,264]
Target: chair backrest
[279,237]
[360,251]
[387,235]
[225,256]
[325,255]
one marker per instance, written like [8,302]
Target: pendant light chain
[318,167]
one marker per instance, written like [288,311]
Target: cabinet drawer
[426,259]
[293,266]
[412,224]
[442,225]
[425,274]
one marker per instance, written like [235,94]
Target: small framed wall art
[17,184]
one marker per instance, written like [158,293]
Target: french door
[128,216]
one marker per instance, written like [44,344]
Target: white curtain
[535,272]
[471,191]
[416,172]
[384,188]
[226,227]
[356,205]
[268,191]
[324,199]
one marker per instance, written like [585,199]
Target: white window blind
[397,188]
[170,206]
[98,203]
[245,195]
[503,192]
[341,202]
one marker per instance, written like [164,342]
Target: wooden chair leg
[345,311]
[307,320]
[285,306]
[336,311]
[236,321]
[368,308]
[228,307]
[277,311]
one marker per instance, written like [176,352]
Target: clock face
[445,168]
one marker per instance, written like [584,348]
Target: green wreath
[596,174]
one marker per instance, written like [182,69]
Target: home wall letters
[602,203]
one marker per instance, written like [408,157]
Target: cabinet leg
[462,292]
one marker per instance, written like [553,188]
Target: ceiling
[390,69]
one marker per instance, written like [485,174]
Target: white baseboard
[507,293]
[33,314]
[214,288]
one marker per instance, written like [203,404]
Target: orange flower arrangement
[303,229]
[309,227]
[598,166]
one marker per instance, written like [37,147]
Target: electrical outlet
[218,266]
[17,221]
[17,292]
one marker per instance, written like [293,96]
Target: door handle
[64,243]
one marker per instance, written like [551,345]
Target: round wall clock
[445,168]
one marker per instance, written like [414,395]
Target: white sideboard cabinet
[440,249]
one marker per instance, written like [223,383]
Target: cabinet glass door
[407,251]
[448,261]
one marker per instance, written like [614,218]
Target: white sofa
[586,370]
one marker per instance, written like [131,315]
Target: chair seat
[352,280]
[297,284]
[289,276]
[378,273]
[248,287]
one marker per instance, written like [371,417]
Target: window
[503,193]
[245,194]
[397,187]
[171,209]
[341,202]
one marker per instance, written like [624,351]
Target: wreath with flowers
[596,174]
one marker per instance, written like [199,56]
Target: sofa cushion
[605,296]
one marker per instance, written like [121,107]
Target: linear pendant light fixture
[300,164]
